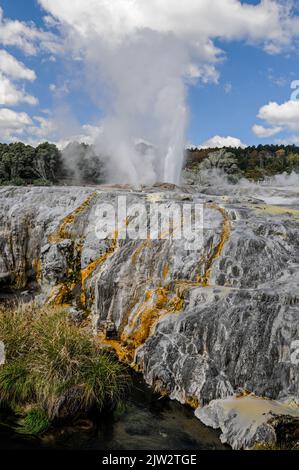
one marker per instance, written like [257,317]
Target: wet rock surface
[199,324]
[251,422]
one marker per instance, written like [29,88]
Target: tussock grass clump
[35,421]
[54,368]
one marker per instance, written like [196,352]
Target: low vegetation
[54,369]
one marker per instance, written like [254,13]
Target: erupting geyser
[135,74]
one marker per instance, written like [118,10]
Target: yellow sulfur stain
[148,295]
[177,304]
[165,271]
[61,291]
[91,267]
[278,210]
[137,252]
[192,401]
[204,280]
[121,352]
[36,265]
[149,314]
[142,325]
[59,294]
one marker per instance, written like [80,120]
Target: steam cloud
[146,100]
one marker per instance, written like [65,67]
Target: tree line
[22,164]
[255,162]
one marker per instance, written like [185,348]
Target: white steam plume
[145,99]
[139,55]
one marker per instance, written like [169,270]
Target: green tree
[47,163]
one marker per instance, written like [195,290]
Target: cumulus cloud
[289,140]
[270,22]
[196,23]
[26,36]
[50,127]
[264,132]
[13,68]
[30,40]
[40,128]
[219,142]
[285,114]
[279,117]
[11,95]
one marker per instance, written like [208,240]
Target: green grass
[35,422]
[54,366]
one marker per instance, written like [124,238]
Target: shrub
[17,181]
[41,182]
[55,366]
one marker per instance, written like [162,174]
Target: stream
[147,422]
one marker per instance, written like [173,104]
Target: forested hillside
[22,164]
[254,162]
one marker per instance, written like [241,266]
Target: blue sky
[255,78]
[249,78]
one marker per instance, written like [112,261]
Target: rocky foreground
[216,327]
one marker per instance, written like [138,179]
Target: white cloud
[11,95]
[26,36]
[33,131]
[206,73]
[14,68]
[264,132]
[13,123]
[195,23]
[270,22]
[43,129]
[60,90]
[290,140]
[219,141]
[278,80]
[30,40]
[284,115]
[227,88]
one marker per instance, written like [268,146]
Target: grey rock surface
[199,324]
